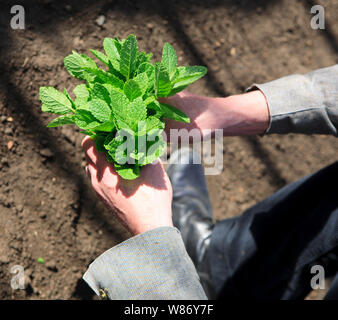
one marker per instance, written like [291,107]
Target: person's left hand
[141,204]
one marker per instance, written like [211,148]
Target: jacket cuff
[298,105]
[152,265]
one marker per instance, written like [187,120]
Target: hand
[141,204]
[244,114]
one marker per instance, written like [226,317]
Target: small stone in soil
[51,266]
[4,161]
[8,131]
[46,153]
[100,20]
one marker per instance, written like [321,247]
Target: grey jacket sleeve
[303,103]
[152,265]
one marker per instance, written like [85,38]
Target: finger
[87,171]
[92,173]
[88,146]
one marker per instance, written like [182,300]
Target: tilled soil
[47,208]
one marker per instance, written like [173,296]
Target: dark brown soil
[47,208]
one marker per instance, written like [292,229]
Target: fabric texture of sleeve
[303,103]
[152,265]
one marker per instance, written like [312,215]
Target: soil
[47,208]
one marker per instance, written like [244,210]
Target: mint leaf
[132,89]
[75,64]
[137,111]
[81,93]
[154,150]
[85,120]
[70,99]
[151,125]
[128,56]
[142,81]
[54,101]
[169,112]
[108,126]
[136,87]
[128,172]
[112,52]
[101,56]
[100,110]
[99,91]
[99,142]
[143,57]
[185,76]
[163,84]
[149,70]
[169,59]
[106,77]
[119,103]
[60,121]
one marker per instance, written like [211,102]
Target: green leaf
[75,64]
[99,91]
[151,125]
[62,120]
[112,52]
[88,133]
[128,172]
[81,93]
[101,56]
[85,120]
[126,113]
[149,70]
[128,56]
[118,44]
[154,150]
[142,81]
[100,110]
[110,137]
[121,146]
[89,77]
[99,142]
[54,101]
[169,59]
[105,127]
[137,112]
[163,84]
[106,77]
[143,57]
[169,112]
[70,99]
[136,87]
[149,100]
[132,89]
[185,76]
[119,103]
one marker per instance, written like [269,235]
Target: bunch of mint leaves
[118,106]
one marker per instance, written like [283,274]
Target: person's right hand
[142,204]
